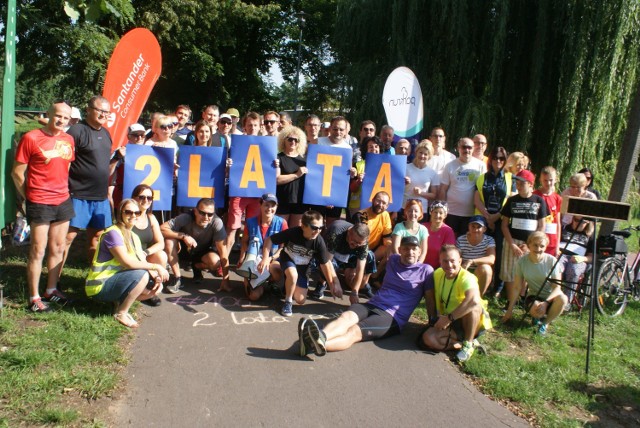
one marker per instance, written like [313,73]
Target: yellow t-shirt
[379,225]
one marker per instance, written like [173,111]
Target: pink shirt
[436,240]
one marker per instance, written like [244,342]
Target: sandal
[126,319]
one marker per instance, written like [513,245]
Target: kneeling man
[405,283]
[460,313]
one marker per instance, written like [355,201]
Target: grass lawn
[54,367]
[543,379]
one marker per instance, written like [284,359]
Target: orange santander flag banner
[134,68]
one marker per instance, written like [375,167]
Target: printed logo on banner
[253,172]
[152,166]
[201,175]
[402,101]
[384,172]
[327,181]
[134,69]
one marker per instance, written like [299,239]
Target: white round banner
[402,101]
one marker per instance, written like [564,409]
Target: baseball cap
[478,219]
[410,240]
[136,127]
[233,112]
[269,197]
[225,116]
[526,175]
[75,113]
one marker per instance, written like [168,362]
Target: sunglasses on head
[131,212]
[205,214]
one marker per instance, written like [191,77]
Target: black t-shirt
[299,249]
[89,172]
[291,193]
[577,243]
[524,214]
[336,237]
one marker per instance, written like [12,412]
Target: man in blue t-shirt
[405,283]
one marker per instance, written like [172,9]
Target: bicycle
[617,282]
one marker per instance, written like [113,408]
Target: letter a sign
[134,68]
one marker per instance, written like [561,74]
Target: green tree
[58,56]
[552,78]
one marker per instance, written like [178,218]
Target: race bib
[550,228]
[524,224]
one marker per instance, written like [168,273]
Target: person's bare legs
[93,237]
[484,273]
[71,236]
[171,248]
[57,245]
[342,332]
[122,311]
[39,235]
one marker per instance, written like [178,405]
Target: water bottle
[21,231]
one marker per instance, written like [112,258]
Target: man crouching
[461,316]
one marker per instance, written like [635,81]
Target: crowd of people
[469,225]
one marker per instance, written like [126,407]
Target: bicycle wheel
[612,288]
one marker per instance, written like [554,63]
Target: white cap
[75,113]
[136,127]
[226,116]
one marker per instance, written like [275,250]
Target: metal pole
[300,16]
[7,192]
[594,296]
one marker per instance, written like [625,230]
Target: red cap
[526,175]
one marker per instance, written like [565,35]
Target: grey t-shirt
[206,236]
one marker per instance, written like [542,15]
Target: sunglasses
[167,126]
[316,228]
[466,147]
[137,135]
[292,140]
[271,122]
[130,212]
[205,214]
[500,159]
[225,122]
[145,198]
[369,129]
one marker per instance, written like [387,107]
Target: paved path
[213,359]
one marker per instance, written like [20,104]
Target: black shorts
[285,208]
[42,213]
[374,322]
[334,212]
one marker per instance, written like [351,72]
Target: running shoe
[287,309]
[39,307]
[56,297]
[305,346]
[174,285]
[367,291]
[317,338]
[197,276]
[542,330]
[466,352]
[318,293]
